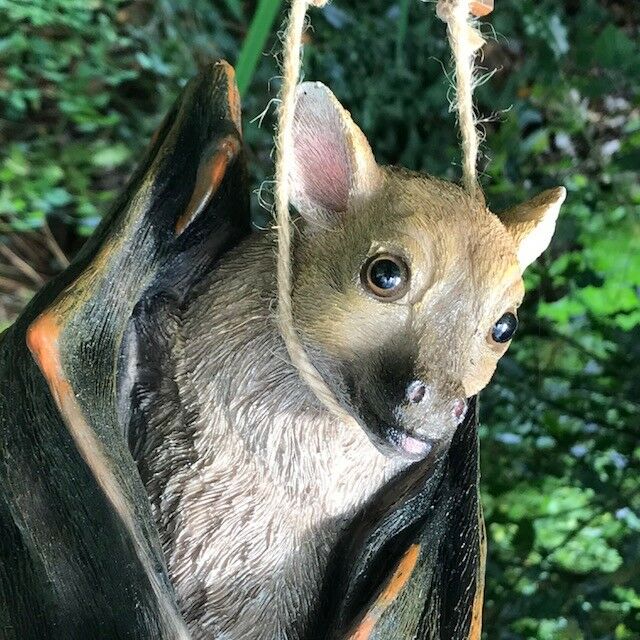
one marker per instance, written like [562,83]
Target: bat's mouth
[394,440]
[411,444]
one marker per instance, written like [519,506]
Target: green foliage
[83,84]
[82,87]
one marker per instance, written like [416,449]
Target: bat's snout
[410,421]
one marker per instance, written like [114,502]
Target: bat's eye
[385,277]
[504,328]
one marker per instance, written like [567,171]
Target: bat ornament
[165,472]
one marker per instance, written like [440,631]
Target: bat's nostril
[416,391]
[459,410]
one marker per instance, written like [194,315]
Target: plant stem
[254,43]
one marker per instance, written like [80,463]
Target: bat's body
[250,481]
[153,366]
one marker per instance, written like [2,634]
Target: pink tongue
[414,446]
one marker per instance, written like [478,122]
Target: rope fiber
[292,46]
[464,40]
[461,38]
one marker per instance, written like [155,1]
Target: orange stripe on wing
[43,341]
[475,630]
[208,180]
[233,97]
[389,594]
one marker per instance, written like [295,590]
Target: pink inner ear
[322,175]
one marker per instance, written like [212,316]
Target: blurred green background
[83,84]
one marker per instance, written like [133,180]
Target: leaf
[559,42]
[110,157]
[614,49]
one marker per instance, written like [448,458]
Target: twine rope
[292,50]
[461,38]
[464,40]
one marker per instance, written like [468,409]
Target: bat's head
[406,290]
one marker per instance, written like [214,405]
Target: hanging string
[292,49]
[464,40]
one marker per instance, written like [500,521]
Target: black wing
[79,554]
[411,567]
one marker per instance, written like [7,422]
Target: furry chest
[251,544]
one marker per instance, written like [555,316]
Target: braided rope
[292,45]
[456,14]
[464,41]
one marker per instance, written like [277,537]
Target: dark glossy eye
[385,276]
[505,327]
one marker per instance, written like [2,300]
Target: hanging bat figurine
[165,473]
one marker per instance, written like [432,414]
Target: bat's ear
[334,167]
[533,223]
